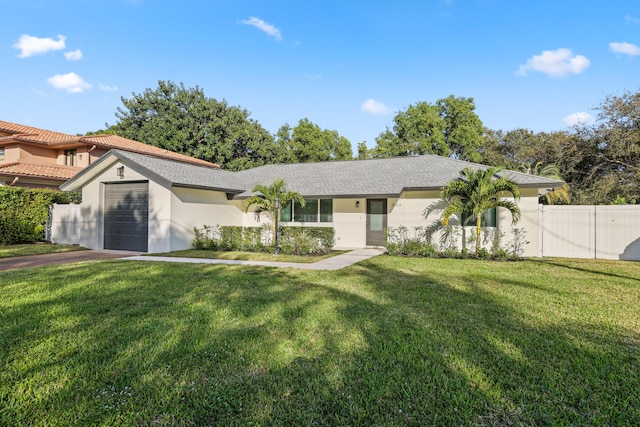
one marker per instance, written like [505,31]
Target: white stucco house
[137,202]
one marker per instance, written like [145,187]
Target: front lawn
[249,256]
[389,341]
[36,249]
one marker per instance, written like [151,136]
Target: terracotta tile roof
[58,172]
[28,133]
[120,143]
[51,139]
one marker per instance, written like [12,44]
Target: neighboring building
[32,157]
[137,202]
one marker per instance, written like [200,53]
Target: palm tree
[477,191]
[264,200]
[561,195]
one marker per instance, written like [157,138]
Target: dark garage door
[126,217]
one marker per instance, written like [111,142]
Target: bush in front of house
[307,240]
[292,240]
[421,244]
[24,212]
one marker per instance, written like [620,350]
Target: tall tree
[617,135]
[309,143]
[418,130]
[477,191]
[186,121]
[363,151]
[264,200]
[448,128]
[463,128]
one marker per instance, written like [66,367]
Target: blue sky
[345,65]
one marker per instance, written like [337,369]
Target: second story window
[70,157]
[1,153]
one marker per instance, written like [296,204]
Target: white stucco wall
[196,208]
[349,222]
[89,226]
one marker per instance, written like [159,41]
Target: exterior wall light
[357,203]
[120,172]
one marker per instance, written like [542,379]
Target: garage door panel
[126,221]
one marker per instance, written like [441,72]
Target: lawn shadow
[379,343]
[566,263]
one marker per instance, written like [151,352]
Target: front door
[376,221]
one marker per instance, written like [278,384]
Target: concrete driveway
[60,258]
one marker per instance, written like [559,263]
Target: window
[314,210]
[488,219]
[70,157]
[1,153]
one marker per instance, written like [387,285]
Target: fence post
[49,223]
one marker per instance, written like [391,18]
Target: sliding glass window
[314,210]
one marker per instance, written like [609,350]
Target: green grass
[389,341]
[249,256]
[36,249]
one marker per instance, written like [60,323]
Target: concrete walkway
[333,263]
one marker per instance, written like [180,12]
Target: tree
[559,196]
[416,131]
[448,128]
[264,200]
[617,137]
[363,151]
[186,121]
[309,143]
[463,128]
[477,191]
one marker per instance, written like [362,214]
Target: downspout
[16,179]
[89,151]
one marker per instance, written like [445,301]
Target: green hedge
[293,240]
[24,212]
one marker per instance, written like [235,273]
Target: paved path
[333,263]
[59,258]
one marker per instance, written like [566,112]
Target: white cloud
[631,20]
[107,88]
[375,107]
[579,118]
[625,48]
[73,55]
[30,45]
[263,26]
[555,63]
[71,82]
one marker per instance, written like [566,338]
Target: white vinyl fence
[64,224]
[607,232]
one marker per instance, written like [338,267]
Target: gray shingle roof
[376,177]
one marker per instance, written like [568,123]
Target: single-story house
[132,201]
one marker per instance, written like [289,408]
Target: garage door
[126,218]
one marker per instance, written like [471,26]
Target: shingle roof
[381,177]
[51,139]
[58,172]
[388,176]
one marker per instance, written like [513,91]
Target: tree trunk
[478,223]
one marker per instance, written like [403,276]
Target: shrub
[24,212]
[398,242]
[293,240]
